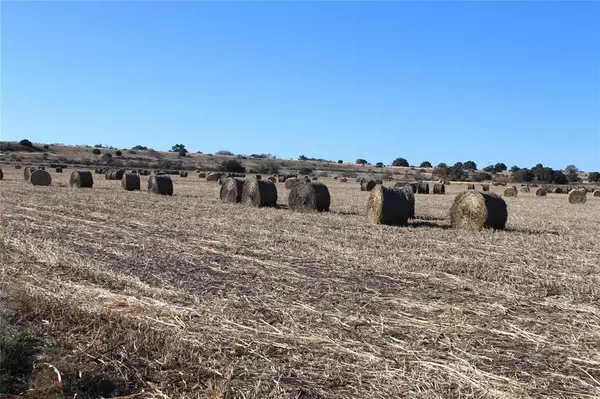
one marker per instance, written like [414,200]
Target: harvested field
[195,298]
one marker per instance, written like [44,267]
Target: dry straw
[131,181]
[439,188]
[510,191]
[40,178]
[160,184]
[309,197]
[577,196]
[231,190]
[597,193]
[389,205]
[541,192]
[367,185]
[289,183]
[476,210]
[272,179]
[213,176]
[81,179]
[202,175]
[525,189]
[259,193]
[27,172]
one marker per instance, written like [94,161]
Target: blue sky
[508,82]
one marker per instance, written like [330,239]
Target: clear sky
[512,82]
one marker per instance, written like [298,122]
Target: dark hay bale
[58,170]
[541,192]
[470,187]
[99,171]
[399,184]
[413,186]
[390,205]
[577,196]
[359,179]
[439,188]
[81,179]
[315,178]
[281,179]
[272,179]
[202,175]
[183,173]
[312,196]
[231,190]
[423,188]
[258,177]
[1,174]
[476,210]
[378,181]
[213,176]
[335,177]
[223,177]
[160,184]
[289,183]
[597,193]
[510,191]
[367,185]
[17,166]
[133,171]
[131,181]
[27,172]
[558,190]
[41,167]
[119,174]
[525,189]
[259,193]
[485,187]
[40,178]
[343,180]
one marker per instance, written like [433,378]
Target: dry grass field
[186,297]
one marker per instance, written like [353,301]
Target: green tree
[489,169]
[231,165]
[500,167]
[594,177]
[340,161]
[96,151]
[425,164]
[26,143]
[139,148]
[470,165]
[379,165]
[400,162]
[178,148]
[441,171]
[361,161]
[302,158]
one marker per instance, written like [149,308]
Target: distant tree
[302,158]
[118,153]
[379,165]
[268,167]
[594,177]
[459,165]
[182,153]
[499,167]
[96,151]
[425,164]
[470,165]
[441,171]
[98,145]
[224,152]
[514,168]
[522,175]
[456,172]
[400,162]
[232,165]
[26,143]
[572,173]
[139,148]
[178,148]
[46,146]
[361,161]
[305,171]
[481,176]
[558,177]
[107,157]
[340,161]
[489,169]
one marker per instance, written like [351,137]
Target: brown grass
[187,297]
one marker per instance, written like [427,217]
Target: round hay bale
[289,183]
[131,181]
[343,180]
[541,192]
[413,186]
[27,172]
[41,167]
[202,175]
[312,196]
[367,185]
[160,184]
[359,179]
[213,176]
[259,193]
[423,188]
[410,196]
[17,166]
[281,179]
[58,170]
[597,193]
[485,187]
[119,174]
[231,190]
[399,184]
[1,174]
[81,179]
[476,210]
[439,188]
[510,191]
[335,177]
[223,177]
[272,179]
[315,178]
[378,181]
[558,190]
[470,187]
[40,178]
[525,189]
[577,196]
[259,177]
[183,173]
[389,205]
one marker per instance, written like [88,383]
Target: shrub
[470,165]
[98,145]
[232,165]
[132,152]
[481,176]
[182,153]
[178,148]
[26,143]
[305,171]
[594,177]
[46,147]
[224,152]
[425,164]
[379,165]
[118,153]
[268,168]
[139,148]
[361,161]
[96,151]
[400,162]
[340,161]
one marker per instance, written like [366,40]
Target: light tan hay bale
[470,187]
[439,188]
[81,179]
[525,189]
[485,187]
[131,181]
[596,193]
[577,196]
[231,190]
[27,172]
[367,185]
[343,180]
[476,210]
[202,175]
[388,205]
[289,183]
[510,191]
[281,178]
[312,196]
[160,184]
[213,176]
[17,166]
[259,193]
[541,192]
[558,190]
[272,179]
[40,178]
[410,196]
